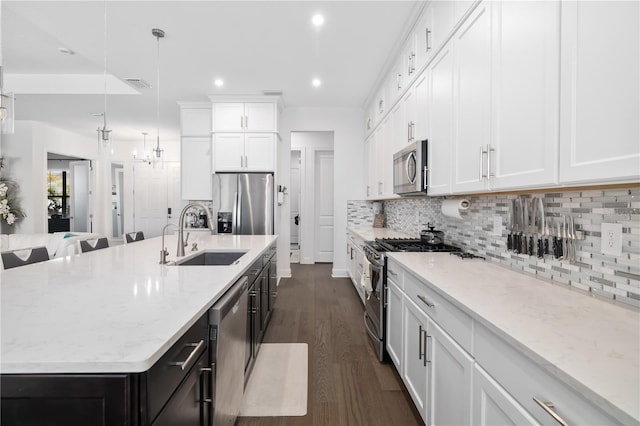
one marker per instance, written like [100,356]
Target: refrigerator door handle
[234,224]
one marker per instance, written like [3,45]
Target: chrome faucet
[181,242]
[163,252]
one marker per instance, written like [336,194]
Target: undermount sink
[211,257]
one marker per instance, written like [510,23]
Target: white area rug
[278,384]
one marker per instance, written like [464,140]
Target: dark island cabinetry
[177,386]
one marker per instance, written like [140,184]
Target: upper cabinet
[599,132]
[195,118]
[244,117]
[506,97]
[195,150]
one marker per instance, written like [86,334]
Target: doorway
[69,189]
[315,229]
[117,200]
[294,199]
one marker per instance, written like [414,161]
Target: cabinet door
[195,168]
[417,109]
[492,405]
[260,116]
[229,152]
[195,121]
[395,303]
[450,385]
[434,27]
[600,103]
[472,100]
[370,165]
[414,361]
[525,103]
[228,117]
[440,121]
[350,263]
[259,151]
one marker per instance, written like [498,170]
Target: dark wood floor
[347,384]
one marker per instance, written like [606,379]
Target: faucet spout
[181,244]
[163,252]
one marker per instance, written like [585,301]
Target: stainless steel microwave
[410,170]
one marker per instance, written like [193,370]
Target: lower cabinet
[488,382]
[355,263]
[492,405]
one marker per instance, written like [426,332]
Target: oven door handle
[366,326]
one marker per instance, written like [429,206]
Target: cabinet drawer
[395,273]
[166,374]
[524,380]
[455,322]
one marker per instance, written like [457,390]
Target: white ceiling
[254,46]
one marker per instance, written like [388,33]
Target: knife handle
[560,248]
[540,248]
[531,245]
[546,245]
[555,248]
[516,243]
[509,242]
[525,246]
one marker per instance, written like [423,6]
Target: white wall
[25,154]
[348,146]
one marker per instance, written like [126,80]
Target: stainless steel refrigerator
[243,203]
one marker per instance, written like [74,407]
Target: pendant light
[157,151]
[105,132]
[146,157]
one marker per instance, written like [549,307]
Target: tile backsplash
[612,277]
[360,213]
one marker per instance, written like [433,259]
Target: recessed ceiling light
[317,20]
[218,82]
[66,51]
[316,82]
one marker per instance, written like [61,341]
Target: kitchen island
[111,312]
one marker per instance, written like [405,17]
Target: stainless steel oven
[375,298]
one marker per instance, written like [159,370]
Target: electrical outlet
[611,239]
[497,225]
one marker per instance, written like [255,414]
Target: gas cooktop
[411,245]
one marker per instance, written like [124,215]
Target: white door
[294,197]
[80,202]
[324,206]
[118,201]
[150,196]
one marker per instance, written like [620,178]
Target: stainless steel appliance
[410,170]
[228,334]
[375,300]
[243,203]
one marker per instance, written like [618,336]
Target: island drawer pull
[426,301]
[548,407]
[192,356]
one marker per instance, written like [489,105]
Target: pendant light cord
[104,127]
[158,97]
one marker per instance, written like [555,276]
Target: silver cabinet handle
[426,301]
[483,175]
[420,345]
[379,188]
[481,164]
[184,365]
[246,162]
[427,349]
[425,178]
[409,65]
[390,272]
[409,132]
[426,39]
[548,407]
[398,81]
[412,61]
[246,121]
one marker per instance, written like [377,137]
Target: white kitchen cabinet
[196,174]
[527,380]
[415,358]
[434,27]
[379,161]
[244,117]
[244,152]
[195,119]
[600,102]
[355,263]
[492,405]
[439,120]
[451,371]
[523,149]
[472,100]
[395,309]
[370,165]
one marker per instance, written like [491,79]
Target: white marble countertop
[111,310]
[368,233]
[590,344]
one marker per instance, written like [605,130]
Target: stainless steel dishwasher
[228,334]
